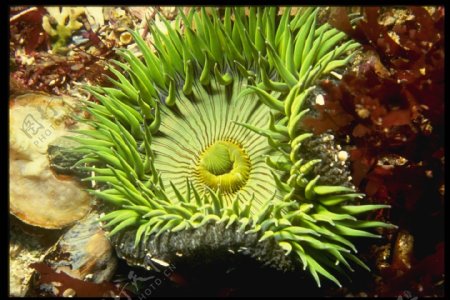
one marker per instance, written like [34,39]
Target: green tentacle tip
[203,134]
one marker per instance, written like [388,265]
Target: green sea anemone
[200,149]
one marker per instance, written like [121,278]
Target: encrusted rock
[84,252]
[37,196]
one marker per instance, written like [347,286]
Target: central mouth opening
[224,165]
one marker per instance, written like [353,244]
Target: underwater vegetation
[199,148]
[391,107]
[42,62]
[63,25]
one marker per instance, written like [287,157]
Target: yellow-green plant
[64,25]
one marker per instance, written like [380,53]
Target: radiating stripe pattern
[208,116]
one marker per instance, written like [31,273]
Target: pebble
[320,100]
[69,293]
[89,276]
[342,155]
[76,67]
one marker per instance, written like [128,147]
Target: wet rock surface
[37,196]
[82,255]
[27,245]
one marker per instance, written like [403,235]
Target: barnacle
[200,148]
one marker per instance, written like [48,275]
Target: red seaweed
[28,29]
[391,108]
[82,288]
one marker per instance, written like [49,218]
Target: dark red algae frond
[390,107]
[62,282]
[26,28]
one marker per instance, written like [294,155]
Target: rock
[81,263]
[27,245]
[62,159]
[84,252]
[37,196]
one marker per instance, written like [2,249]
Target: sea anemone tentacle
[203,138]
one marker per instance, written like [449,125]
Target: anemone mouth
[201,140]
[224,166]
